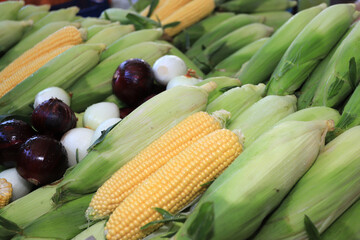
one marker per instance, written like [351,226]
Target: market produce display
[180,119]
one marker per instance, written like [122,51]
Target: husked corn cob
[66,36]
[131,175]
[168,8]
[188,15]
[11,32]
[9,9]
[257,181]
[23,72]
[330,187]
[174,185]
[5,192]
[311,45]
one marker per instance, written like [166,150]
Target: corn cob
[166,9]
[90,21]
[5,192]
[335,84]
[188,15]
[30,9]
[268,170]
[222,83]
[304,4]
[189,35]
[131,175]
[116,15]
[237,100]
[234,62]
[11,32]
[275,19]
[62,71]
[30,41]
[9,9]
[35,17]
[309,47]
[66,14]
[323,193]
[234,41]
[95,85]
[94,29]
[109,35]
[23,72]
[66,36]
[118,147]
[346,226]
[263,115]
[222,30]
[96,231]
[64,222]
[174,185]
[130,39]
[312,114]
[271,53]
[246,6]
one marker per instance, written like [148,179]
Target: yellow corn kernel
[68,35]
[27,70]
[188,15]
[168,8]
[5,192]
[127,178]
[174,185]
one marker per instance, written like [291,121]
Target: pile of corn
[256,159]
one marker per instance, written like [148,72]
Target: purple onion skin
[53,118]
[133,81]
[42,160]
[13,133]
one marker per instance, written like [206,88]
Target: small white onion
[52,92]
[182,80]
[99,112]
[167,67]
[77,138]
[103,126]
[20,186]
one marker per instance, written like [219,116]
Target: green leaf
[167,217]
[102,137]
[77,155]
[187,41]
[164,213]
[9,225]
[169,235]
[224,89]
[141,21]
[106,15]
[346,120]
[352,73]
[335,87]
[202,227]
[311,230]
[153,5]
[207,184]
[170,25]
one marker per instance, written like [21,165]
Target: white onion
[99,112]
[77,138]
[103,126]
[168,67]
[20,186]
[182,80]
[52,92]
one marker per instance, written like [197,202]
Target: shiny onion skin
[133,81]
[42,160]
[53,117]
[13,133]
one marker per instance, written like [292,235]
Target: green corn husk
[347,226]
[96,231]
[223,84]
[275,19]
[237,100]
[312,114]
[136,131]
[187,37]
[95,85]
[249,6]
[35,17]
[62,71]
[334,82]
[303,4]
[234,62]
[311,45]
[94,29]
[113,99]
[221,30]
[28,42]
[91,21]
[109,35]
[221,74]
[116,14]
[257,181]
[262,115]
[26,209]
[270,54]
[323,193]
[9,9]
[11,32]
[30,9]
